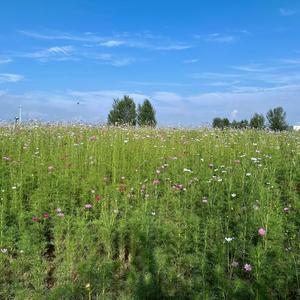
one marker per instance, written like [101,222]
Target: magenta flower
[88,206]
[247,267]
[262,231]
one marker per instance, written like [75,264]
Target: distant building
[296,127]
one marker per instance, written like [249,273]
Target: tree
[123,112]
[220,123]
[257,121]
[276,119]
[146,114]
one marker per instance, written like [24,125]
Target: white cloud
[234,113]
[112,43]
[172,108]
[6,77]
[288,12]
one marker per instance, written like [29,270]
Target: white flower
[3,250]
[233,195]
[187,170]
[229,239]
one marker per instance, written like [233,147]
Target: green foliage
[239,124]
[276,119]
[146,114]
[221,123]
[123,112]
[257,121]
[162,203]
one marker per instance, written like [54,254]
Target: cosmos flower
[34,218]
[262,231]
[247,267]
[45,215]
[234,264]
[229,239]
[156,182]
[50,169]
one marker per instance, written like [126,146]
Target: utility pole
[20,113]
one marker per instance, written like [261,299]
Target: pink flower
[156,182]
[286,209]
[98,198]
[45,215]
[247,267]
[88,206]
[34,218]
[262,231]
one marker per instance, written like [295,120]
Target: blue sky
[194,60]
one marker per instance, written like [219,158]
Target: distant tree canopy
[124,112]
[257,121]
[146,114]
[239,124]
[221,123]
[276,119]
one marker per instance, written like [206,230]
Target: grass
[174,214]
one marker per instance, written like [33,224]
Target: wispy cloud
[116,61]
[156,83]
[257,68]
[286,12]
[290,61]
[52,53]
[140,40]
[5,60]
[190,61]
[112,43]
[216,38]
[7,77]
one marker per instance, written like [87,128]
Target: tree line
[124,112]
[276,120]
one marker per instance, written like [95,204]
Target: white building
[296,127]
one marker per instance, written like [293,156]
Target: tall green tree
[257,121]
[123,112]
[146,114]
[276,119]
[221,123]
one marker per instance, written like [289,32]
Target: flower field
[118,213]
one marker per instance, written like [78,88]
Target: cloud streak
[10,78]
